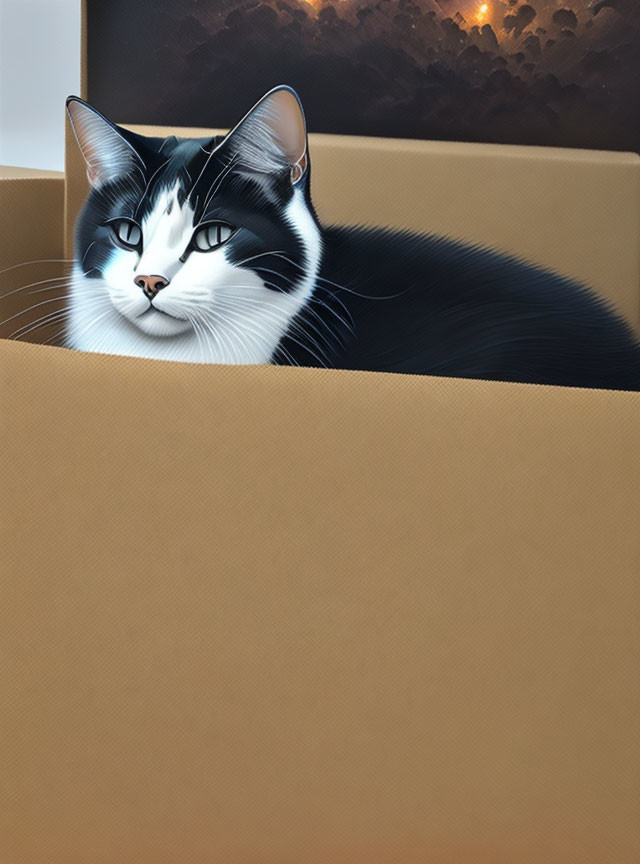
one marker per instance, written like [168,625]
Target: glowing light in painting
[483,13]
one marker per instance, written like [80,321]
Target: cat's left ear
[109,156]
[272,137]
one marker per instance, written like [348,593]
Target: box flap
[31,248]
[286,615]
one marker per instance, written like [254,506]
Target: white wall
[39,68]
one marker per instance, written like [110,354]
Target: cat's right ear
[108,155]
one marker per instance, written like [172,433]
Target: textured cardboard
[280,615]
[31,248]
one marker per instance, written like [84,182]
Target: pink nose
[151,284]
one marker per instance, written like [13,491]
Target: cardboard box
[284,615]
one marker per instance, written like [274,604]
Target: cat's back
[427,304]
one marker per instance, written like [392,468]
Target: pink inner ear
[281,113]
[92,175]
[298,169]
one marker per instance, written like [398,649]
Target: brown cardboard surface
[573,211]
[31,247]
[280,615]
[10,172]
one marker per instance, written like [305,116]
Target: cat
[209,250]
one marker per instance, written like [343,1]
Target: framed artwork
[544,72]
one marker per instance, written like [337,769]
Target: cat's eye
[211,236]
[126,233]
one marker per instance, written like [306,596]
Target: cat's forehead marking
[169,198]
[166,230]
[168,204]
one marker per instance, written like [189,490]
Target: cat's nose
[151,284]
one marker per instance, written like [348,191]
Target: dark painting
[542,72]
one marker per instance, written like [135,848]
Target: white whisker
[38,261]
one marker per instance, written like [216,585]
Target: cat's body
[242,272]
[463,312]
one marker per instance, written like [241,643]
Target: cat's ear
[273,135]
[109,156]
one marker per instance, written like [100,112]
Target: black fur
[399,302]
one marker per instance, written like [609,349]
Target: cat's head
[194,249]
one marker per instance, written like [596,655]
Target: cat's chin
[153,322]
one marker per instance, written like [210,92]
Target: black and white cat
[209,250]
